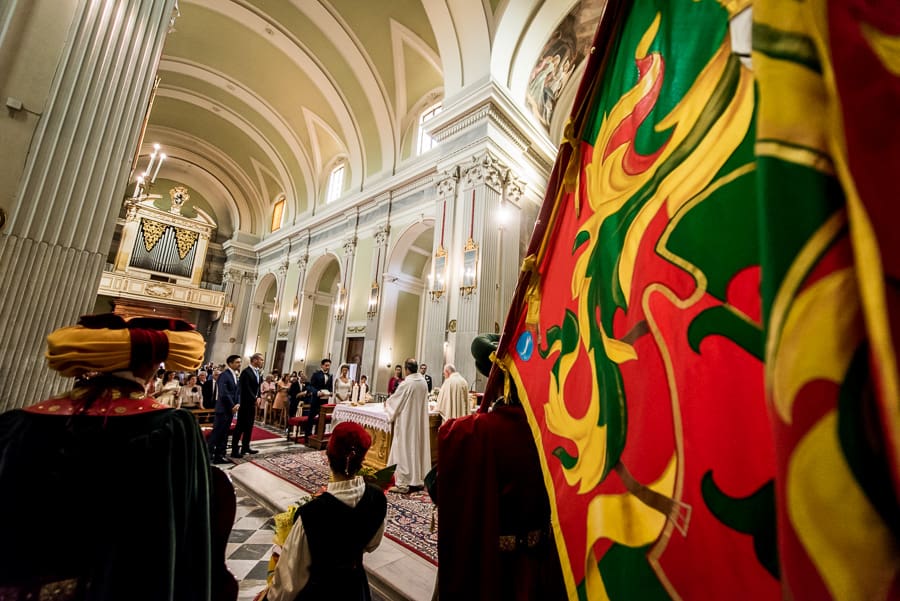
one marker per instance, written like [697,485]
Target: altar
[372,417]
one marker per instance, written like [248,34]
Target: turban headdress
[108,343]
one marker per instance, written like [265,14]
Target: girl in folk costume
[322,556]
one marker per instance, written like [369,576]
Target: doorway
[354,355]
[278,362]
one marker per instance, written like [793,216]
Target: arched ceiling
[259,98]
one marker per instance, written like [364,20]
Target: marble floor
[395,573]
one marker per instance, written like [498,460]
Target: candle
[137,187]
[162,158]
[150,164]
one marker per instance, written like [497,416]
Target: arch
[406,242]
[403,296]
[315,323]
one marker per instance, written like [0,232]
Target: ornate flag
[695,337]
[828,73]
[641,372]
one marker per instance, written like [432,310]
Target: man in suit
[227,399]
[321,385]
[209,386]
[249,386]
[422,369]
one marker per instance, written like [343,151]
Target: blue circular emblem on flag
[525,346]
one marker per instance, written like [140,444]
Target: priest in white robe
[453,399]
[407,409]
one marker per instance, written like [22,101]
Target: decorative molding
[382,234]
[158,290]
[356,329]
[486,169]
[124,286]
[515,188]
[446,186]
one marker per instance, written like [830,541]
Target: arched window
[426,142]
[277,215]
[335,183]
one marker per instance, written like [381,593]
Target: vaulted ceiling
[260,99]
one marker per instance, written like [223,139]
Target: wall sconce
[273,316]
[437,281]
[339,303]
[470,268]
[228,314]
[373,300]
[295,310]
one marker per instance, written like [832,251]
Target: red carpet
[261,434]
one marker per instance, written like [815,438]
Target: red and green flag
[685,322]
[828,75]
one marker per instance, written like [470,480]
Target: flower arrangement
[383,478]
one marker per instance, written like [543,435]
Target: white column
[53,249]
[435,333]
[371,357]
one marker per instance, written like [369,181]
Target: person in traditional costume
[453,397]
[494,537]
[322,556]
[107,493]
[407,410]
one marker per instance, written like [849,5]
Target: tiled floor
[250,545]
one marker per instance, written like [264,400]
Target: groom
[249,385]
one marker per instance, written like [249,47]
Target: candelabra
[147,178]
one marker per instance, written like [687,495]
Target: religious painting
[563,52]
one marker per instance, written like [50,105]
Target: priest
[407,410]
[453,398]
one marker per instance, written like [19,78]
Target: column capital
[381,235]
[486,169]
[447,182]
[349,246]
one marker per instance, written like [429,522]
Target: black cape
[122,505]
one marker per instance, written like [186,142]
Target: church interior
[370,183]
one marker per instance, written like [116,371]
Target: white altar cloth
[370,415]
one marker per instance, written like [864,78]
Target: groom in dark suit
[249,385]
[227,399]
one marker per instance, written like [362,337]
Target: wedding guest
[395,380]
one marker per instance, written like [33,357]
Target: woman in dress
[343,385]
[395,380]
[167,393]
[190,395]
[322,556]
[280,404]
